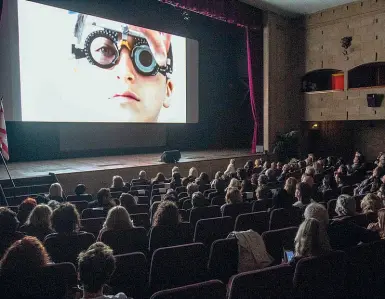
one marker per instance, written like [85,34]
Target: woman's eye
[106,51]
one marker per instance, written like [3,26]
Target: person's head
[65,219]
[170,196]
[193,172]
[339,178]
[176,177]
[290,185]
[160,178]
[279,165]
[301,164]
[8,221]
[166,214]
[118,219]
[234,183]
[220,185]
[263,180]
[317,211]
[80,189]
[273,166]
[53,204]
[218,175]
[24,256]
[326,181]
[285,168]
[342,169]
[142,175]
[241,174]
[117,182]
[318,166]
[262,192]
[95,267]
[134,85]
[40,216]
[174,170]
[270,173]
[257,163]
[345,205]
[310,171]
[27,205]
[198,200]
[192,188]
[103,196]
[55,190]
[378,172]
[303,193]
[307,179]
[371,203]
[249,165]
[185,182]
[311,239]
[127,200]
[233,196]
[204,177]
[254,179]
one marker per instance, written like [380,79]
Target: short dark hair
[198,200]
[95,266]
[103,192]
[65,219]
[80,189]
[8,220]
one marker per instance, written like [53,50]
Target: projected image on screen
[82,68]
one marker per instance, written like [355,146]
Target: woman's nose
[125,67]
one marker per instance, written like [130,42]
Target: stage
[97,172]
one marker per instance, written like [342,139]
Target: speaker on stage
[170,156]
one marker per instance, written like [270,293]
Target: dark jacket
[283,200]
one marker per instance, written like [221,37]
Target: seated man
[103,200]
[95,268]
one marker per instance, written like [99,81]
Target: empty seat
[130,275]
[235,209]
[281,218]
[260,205]
[321,277]
[223,259]
[138,209]
[141,220]
[272,282]
[258,222]
[126,241]
[81,197]
[208,289]
[66,248]
[278,240]
[204,213]
[211,229]
[92,225]
[94,213]
[178,266]
[164,236]
[80,205]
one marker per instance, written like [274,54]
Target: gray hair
[345,205]
[310,170]
[270,173]
[317,211]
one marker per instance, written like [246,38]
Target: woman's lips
[127,96]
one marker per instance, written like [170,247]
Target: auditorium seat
[153,209]
[130,275]
[164,236]
[218,200]
[347,190]
[271,282]
[208,289]
[258,222]
[81,197]
[178,266]
[94,213]
[159,191]
[140,187]
[126,241]
[185,215]
[260,205]
[92,225]
[211,229]
[223,259]
[80,205]
[66,248]
[155,198]
[204,213]
[281,218]
[208,191]
[139,193]
[235,209]
[277,241]
[321,277]
[331,206]
[137,209]
[187,205]
[141,220]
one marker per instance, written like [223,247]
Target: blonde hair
[193,172]
[117,182]
[290,185]
[56,190]
[234,183]
[118,219]
[381,222]
[311,239]
[233,196]
[174,170]
[40,216]
[371,203]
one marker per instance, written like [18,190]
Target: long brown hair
[167,213]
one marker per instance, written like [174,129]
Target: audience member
[198,200]
[159,179]
[270,173]
[303,193]
[65,219]
[342,234]
[95,268]
[218,175]
[254,181]
[327,184]
[174,170]
[142,179]
[233,196]
[191,189]
[234,183]
[80,189]
[176,180]
[230,168]
[265,167]
[246,186]
[203,181]
[127,200]
[25,209]
[103,200]
[379,226]
[371,203]
[371,184]
[38,223]
[257,166]
[118,184]
[117,219]
[166,214]
[284,173]
[8,229]
[53,204]
[285,198]
[345,205]
[192,174]
[56,192]
[220,187]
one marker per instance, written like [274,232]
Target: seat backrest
[138,209]
[258,222]
[81,197]
[178,266]
[234,210]
[141,220]
[126,241]
[218,200]
[131,275]
[153,209]
[140,187]
[143,200]
[204,213]
[94,213]
[321,277]
[278,240]
[80,205]
[208,191]
[281,218]
[211,229]
[187,205]
[272,282]
[260,205]
[155,198]
[92,225]
[66,248]
[347,190]
[331,206]
[180,189]
[223,259]
[208,289]
[164,236]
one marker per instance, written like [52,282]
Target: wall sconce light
[346,42]
[314,126]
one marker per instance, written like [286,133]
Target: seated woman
[8,229]
[127,200]
[38,223]
[311,240]
[327,184]
[167,213]
[118,184]
[65,219]
[285,198]
[25,209]
[246,186]
[234,183]
[192,175]
[103,200]
[159,179]
[218,175]
[203,181]
[379,226]
[56,192]
[371,203]
[345,206]
[233,196]
[257,166]
[117,219]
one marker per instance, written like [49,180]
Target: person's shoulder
[117,296]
